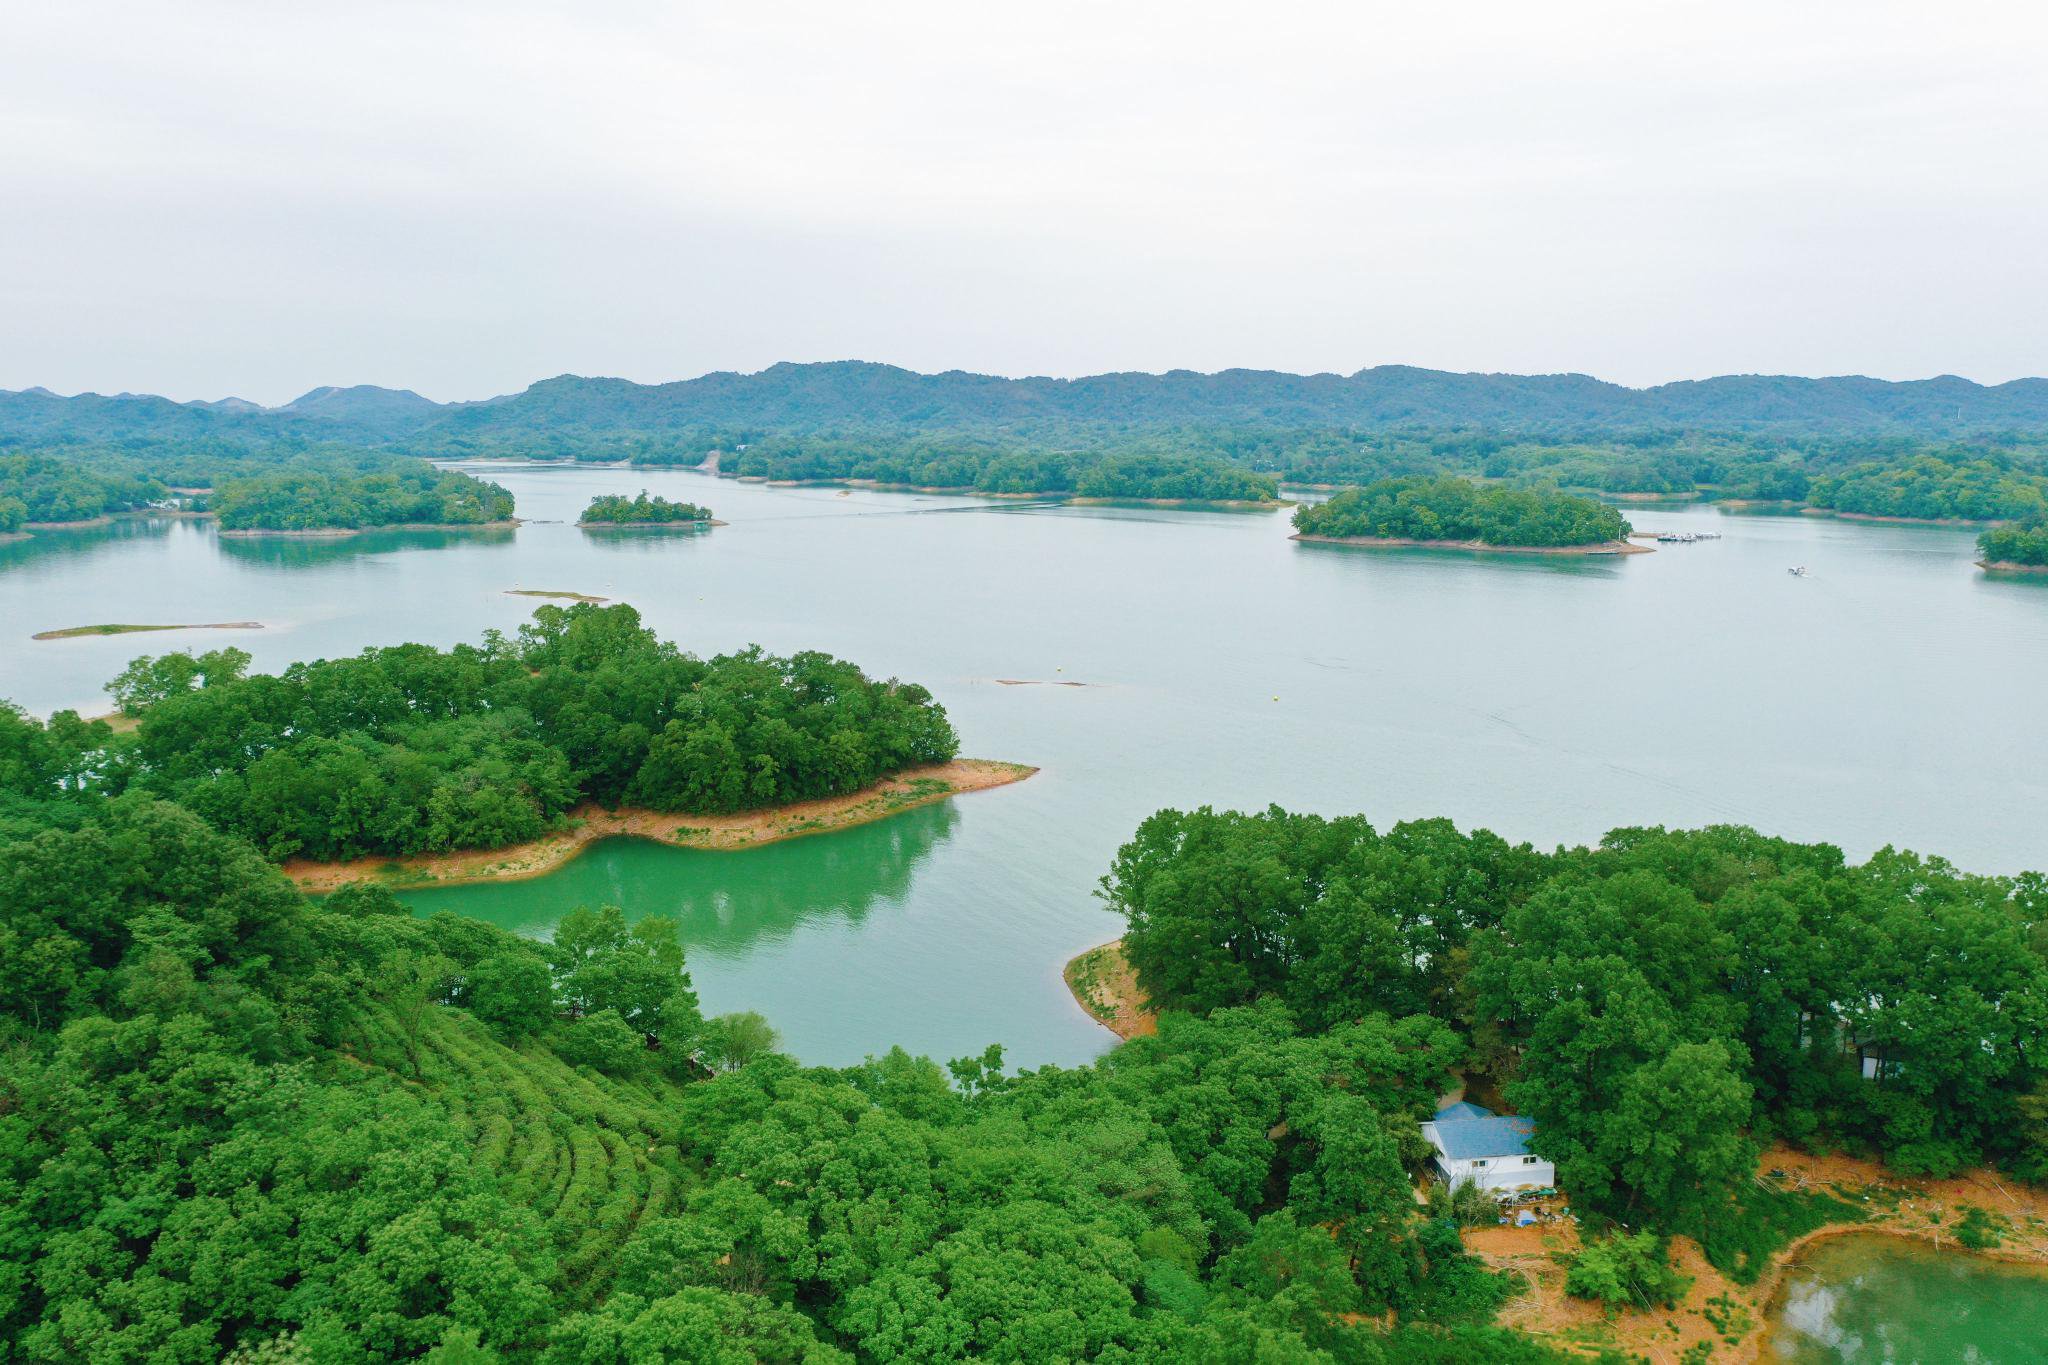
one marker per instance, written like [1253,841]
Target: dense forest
[2022,543]
[1449,509]
[1135,470]
[407,493]
[1659,1005]
[39,487]
[1933,487]
[616,510]
[233,1120]
[410,749]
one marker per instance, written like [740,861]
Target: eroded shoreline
[1735,1318]
[1605,547]
[1103,984]
[335,532]
[589,823]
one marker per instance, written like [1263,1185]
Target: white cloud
[215,197]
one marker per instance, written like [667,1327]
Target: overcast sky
[201,199]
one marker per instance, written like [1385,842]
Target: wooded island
[1459,514]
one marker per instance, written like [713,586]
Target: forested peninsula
[410,749]
[1459,514]
[43,489]
[322,501]
[1930,488]
[1007,467]
[615,510]
[2023,545]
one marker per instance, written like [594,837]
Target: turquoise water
[1860,1300]
[1893,695]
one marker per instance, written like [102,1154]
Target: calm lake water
[1881,1299]
[1893,695]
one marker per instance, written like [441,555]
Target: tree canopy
[405,493]
[1450,509]
[1936,487]
[235,1120]
[2024,542]
[410,749]
[1658,1005]
[641,511]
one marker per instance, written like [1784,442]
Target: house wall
[1497,1173]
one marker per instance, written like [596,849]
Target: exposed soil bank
[1897,521]
[968,491]
[2007,566]
[1899,1206]
[589,823]
[74,632]
[1104,985]
[1200,504]
[648,525]
[542,592]
[1765,505]
[86,524]
[331,532]
[1605,547]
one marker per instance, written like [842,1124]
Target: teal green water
[1868,1299]
[1892,695]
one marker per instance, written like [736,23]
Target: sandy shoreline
[1103,984]
[335,532]
[1605,547]
[2007,566]
[590,823]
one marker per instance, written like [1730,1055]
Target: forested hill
[791,397]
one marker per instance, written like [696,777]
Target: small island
[615,512]
[2019,548]
[1456,514]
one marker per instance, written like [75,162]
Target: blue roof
[1494,1135]
[1463,1109]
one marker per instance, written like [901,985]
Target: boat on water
[1797,571]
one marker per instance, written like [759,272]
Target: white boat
[1797,571]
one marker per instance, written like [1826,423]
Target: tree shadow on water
[725,902]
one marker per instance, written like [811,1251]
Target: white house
[1490,1150]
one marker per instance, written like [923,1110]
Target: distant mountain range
[854,394]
